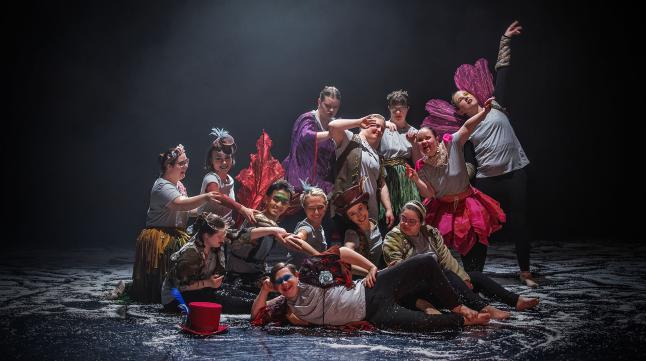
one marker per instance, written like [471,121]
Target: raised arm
[467,128]
[338,127]
[411,136]
[504,61]
[322,136]
[261,300]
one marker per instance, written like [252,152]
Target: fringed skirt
[402,190]
[154,247]
[465,218]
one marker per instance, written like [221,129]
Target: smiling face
[374,132]
[426,141]
[409,222]
[178,170]
[221,163]
[315,209]
[358,214]
[288,288]
[277,203]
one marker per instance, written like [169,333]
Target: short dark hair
[397,97]
[278,266]
[280,184]
[330,91]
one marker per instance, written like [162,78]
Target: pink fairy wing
[442,117]
[476,79]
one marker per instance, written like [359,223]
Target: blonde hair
[312,192]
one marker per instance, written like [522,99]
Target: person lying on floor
[323,293]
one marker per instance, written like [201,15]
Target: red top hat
[204,319]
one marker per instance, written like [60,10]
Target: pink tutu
[465,218]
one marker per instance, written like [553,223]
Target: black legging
[233,300]
[492,289]
[466,296]
[409,277]
[511,191]
[475,259]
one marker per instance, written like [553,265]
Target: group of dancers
[353,227]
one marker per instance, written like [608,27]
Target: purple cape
[301,164]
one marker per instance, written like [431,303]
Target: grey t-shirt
[370,168]
[497,148]
[159,215]
[315,238]
[334,306]
[395,145]
[451,178]
[421,245]
[225,188]
[375,243]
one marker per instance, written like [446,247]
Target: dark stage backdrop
[99,88]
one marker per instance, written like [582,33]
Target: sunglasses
[279,281]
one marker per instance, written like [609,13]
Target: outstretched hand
[288,239]
[213,197]
[513,29]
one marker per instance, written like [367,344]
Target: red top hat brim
[222,328]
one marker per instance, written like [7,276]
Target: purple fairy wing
[476,79]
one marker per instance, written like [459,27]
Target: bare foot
[495,313]
[527,278]
[466,312]
[426,307]
[526,303]
[481,319]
